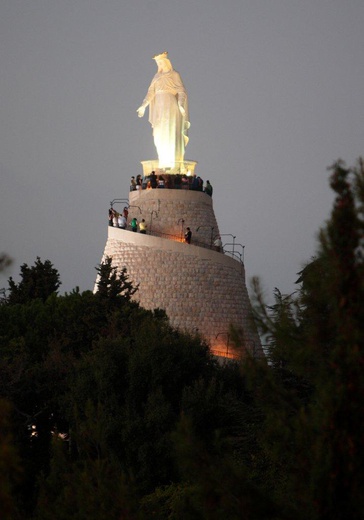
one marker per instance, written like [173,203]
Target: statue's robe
[170,127]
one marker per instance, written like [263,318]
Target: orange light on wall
[220,351]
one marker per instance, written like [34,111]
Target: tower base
[202,290]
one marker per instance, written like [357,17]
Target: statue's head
[161,56]
[163,63]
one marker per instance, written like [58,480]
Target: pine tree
[38,281]
[112,285]
[314,386]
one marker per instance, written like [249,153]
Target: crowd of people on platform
[170,181]
[120,220]
[117,219]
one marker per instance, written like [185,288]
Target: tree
[9,465]
[38,281]
[336,338]
[313,389]
[111,285]
[5,261]
[107,376]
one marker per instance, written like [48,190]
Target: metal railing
[117,201]
[233,252]
[232,249]
[170,184]
[180,238]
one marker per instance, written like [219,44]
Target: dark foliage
[110,381]
[312,390]
[38,281]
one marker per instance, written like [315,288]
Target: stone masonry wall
[164,209]
[201,290]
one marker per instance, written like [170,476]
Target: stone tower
[202,290]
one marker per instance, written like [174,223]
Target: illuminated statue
[168,112]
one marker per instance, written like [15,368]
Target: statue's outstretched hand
[181,109]
[141,111]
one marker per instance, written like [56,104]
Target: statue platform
[180,167]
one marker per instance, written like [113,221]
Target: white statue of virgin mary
[168,112]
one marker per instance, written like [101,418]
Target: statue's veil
[163,63]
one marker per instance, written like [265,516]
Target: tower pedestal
[179,167]
[202,291]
